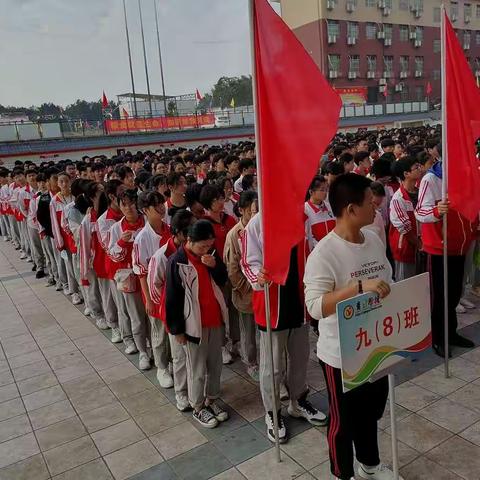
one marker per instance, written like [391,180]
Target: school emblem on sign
[348,312]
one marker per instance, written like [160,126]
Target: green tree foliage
[238,88]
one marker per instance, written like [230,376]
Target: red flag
[385,91]
[198,95]
[429,89]
[125,113]
[463,128]
[297,115]
[105,103]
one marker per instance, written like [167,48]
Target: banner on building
[127,125]
[376,334]
[353,96]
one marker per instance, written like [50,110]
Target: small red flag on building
[463,128]
[385,90]
[297,114]
[105,103]
[429,89]
[198,95]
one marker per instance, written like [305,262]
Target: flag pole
[160,59]
[130,60]
[266,288]
[444,189]
[145,58]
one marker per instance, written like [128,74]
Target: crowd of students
[165,249]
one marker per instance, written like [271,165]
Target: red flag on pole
[125,113]
[429,89]
[463,128]
[297,115]
[385,90]
[105,103]
[198,95]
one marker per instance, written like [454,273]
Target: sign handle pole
[393,424]
[266,290]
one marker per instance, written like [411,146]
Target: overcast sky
[61,50]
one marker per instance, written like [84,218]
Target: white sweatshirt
[333,264]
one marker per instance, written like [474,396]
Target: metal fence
[27,131]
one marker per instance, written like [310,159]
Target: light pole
[160,59]
[130,59]
[145,58]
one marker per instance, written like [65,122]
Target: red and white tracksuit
[319,221]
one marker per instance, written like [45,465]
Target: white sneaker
[29,260]
[467,303]
[183,404]
[87,312]
[130,348]
[302,408]
[116,335]
[460,309]
[102,324]
[50,282]
[254,373]
[76,299]
[220,414]
[67,292]
[164,378]
[284,395]
[380,472]
[226,356]
[144,361]
[23,256]
[58,287]
[5,239]
[282,430]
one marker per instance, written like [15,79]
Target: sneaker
[282,430]
[87,312]
[23,255]
[467,303]
[40,274]
[131,348]
[34,268]
[144,361]
[254,373]
[183,404]
[116,335]
[220,414]
[459,341]
[205,417]
[164,378]
[50,282]
[102,324]
[380,472]
[460,309]
[67,292]
[302,408]
[58,288]
[284,395]
[76,299]
[29,260]
[5,239]
[226,356]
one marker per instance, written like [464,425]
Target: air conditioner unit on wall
[330,4]
[386,12]
[467,19]
[403,74]
[418,73]
[387,42]
[418,43]
[352,75]
[381,34]
[350,7]
[332,39]
[399,87]
[351,41]
[370,74]
[332,74]
[413,35]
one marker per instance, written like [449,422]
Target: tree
[238,88]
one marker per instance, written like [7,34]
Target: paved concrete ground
[73,406]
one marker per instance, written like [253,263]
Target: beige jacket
[241,288]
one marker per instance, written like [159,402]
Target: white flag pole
[393,426]
[251,7]
[445,188]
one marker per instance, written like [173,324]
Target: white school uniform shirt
[146,243]
[237,186]
[228,208]
[334,264]
[319,221]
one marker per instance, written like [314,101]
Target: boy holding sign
[347,262]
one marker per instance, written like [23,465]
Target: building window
[389,4]
[371,31]
[370,3]
[437,14]
[436,75]
[388,62]
[437,45]
[354,64]
[467,12]
[404,33]
[477,65]
[419,93]
[334,63]
[333,28]
[453,11]
[403,5]
[404,94]
[404,63]
[467,35]
[419,65]
[388,29]
[352,29]
[478,11]
[371,63]
[419,32]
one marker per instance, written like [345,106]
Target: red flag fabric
[463,128]
[429,89]
[385,91]
[198,95]
[297,115]
[104,101]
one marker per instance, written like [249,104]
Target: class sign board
[375,333]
